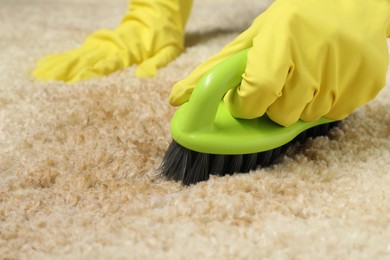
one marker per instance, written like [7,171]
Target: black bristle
[175,162]
[275,154]
[250,162]
[301,137]
[199,170]
[233,164]
[190,167]
[264,158]
[323,129]
[218,164]
[313,132]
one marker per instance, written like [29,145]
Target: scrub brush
[207,139]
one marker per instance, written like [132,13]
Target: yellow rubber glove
[151,34]
[308,59]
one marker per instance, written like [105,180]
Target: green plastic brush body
[209,140]
[204,124]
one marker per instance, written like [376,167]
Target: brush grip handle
[210,90]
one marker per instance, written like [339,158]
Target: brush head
[190,167]
[208,139]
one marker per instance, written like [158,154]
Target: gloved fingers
[148,68]
[59,66]
[103,66]
[46,64]
[54,67]
[288,108]
[84,59]
[269,65]
[65,66]
[320,105]
[84,74]
[96,50]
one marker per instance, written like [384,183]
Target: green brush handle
[210,90]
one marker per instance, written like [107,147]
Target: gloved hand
[308,59]
[151,34]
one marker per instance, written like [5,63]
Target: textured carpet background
[78,162]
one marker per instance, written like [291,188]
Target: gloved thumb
[182,90]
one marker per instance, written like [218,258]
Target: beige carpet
[78,162]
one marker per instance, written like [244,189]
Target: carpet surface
[78,163]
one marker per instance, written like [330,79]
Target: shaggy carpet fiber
[78,163]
